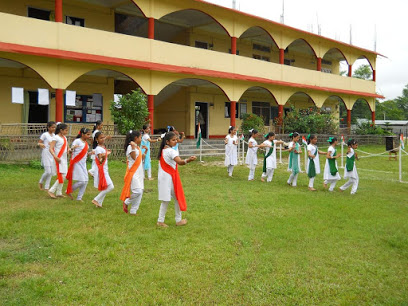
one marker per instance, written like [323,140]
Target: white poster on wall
[43,96]
[70,97]
[17,95]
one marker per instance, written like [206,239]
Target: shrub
[130,112]
[252,121]
[310,120]
[367,128]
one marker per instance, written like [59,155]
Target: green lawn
[245,243]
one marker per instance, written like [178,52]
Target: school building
[195,61]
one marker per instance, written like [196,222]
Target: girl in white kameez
[350,171]
[77,168]
[231,154]
[313,162]
[132,191]
[58,150]
[47,160]
[269,164]
[251,158]
[102,180]
[169,181]
[294,159]
[331,172]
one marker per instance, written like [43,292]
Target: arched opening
[258,44]
[335,106]
[25,105]
[362,69]
[335,62]
[193,28]
[361,112]
[187,102]
[130,19]
[301,55]
[95,90]
[261,102]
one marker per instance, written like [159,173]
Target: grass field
[245,243]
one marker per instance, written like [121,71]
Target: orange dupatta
[64,146]
[102,180]
[72,163]
[129,175]
[178,187]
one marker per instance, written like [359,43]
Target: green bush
[367,128]
[130,112]
[35,164]
[252,121]
[310,120]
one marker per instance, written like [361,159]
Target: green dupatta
[294,160]
[266,156]
[350,163]
[332,165]
[312,167]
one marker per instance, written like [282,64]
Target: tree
[388,110]
[130,112]
[402,102]
[363,72]
[310,120]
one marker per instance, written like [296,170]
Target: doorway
[201,116]
[37,113]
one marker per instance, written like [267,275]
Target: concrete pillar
[58,10]
[59,104]
[232,112]
[233,46]
[281,56]
[150,31]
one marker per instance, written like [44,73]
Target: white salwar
[137,184]
[251,158]
[63,165]
[351,175]
[102,194]
[328,178]
[46,160]
[231,154]
[166,187]
[312,149]
[270,161]
[80,173]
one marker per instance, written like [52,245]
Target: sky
[366,17]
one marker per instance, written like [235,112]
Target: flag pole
[280,153]
[201,143]
[342,156]
[400,158]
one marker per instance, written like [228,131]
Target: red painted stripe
[113,61]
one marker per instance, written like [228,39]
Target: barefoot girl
[350,171]
[269,161]
[169,180]
[102,180]
[231,143]
[313,163]
[77,166]
[58,150]
[132,191]
[251,158]
[146,140]
[331,172]
[47,160]
[294,159]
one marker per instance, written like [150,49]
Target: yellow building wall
[25,78]
[174,112]
[96,17]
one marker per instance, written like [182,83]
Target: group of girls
[137,149]
[331,173]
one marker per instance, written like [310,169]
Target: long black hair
[130,137]
[83,131]
[166,138]
[310,137]
[97,123]
[61,126]
[332,140]
[293,135]
[351,142]
[253,132]
[95,140]
[50,124]
[270,134]
[231,128]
